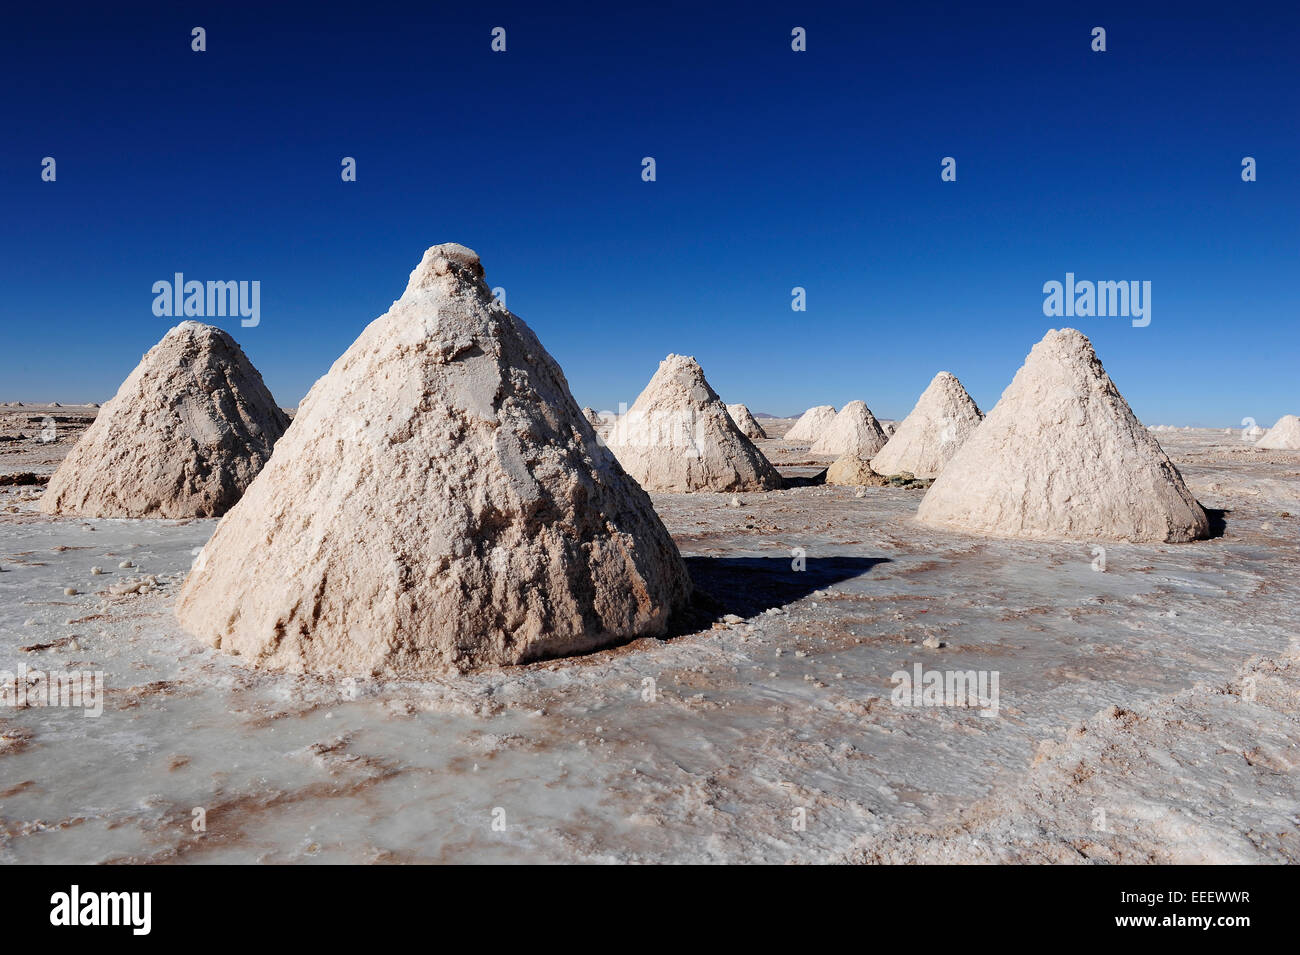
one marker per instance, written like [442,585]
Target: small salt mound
[811,425]
[1283,436]
[440,501]
[1062,457]
[855,430]
[938,426]
[746,422]
[854,470]
[187,432]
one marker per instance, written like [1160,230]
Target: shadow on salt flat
[747,586]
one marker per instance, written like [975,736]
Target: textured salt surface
[747,727]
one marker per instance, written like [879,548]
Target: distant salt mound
[746,422]
[811,424]
[854,430]
[1061,456]
[944,417]
[678,436]
[593,417]
[440,501]
[1283,436]
[187,432]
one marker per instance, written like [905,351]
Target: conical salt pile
[855,431]
[746,422]
[1061,456]
[811,424]
[938,426]
[186,433]
[677,436]
[1283,436]
[592,416]
[439,501]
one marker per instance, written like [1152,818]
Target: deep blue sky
[775,169]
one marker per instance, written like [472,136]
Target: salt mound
[439,501]
[855,430]
[677,436]
[1283,436]
[187,432]
[592,416]
[853,470]
[746,422]
[938,426]
[1061,456]
[811,425]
